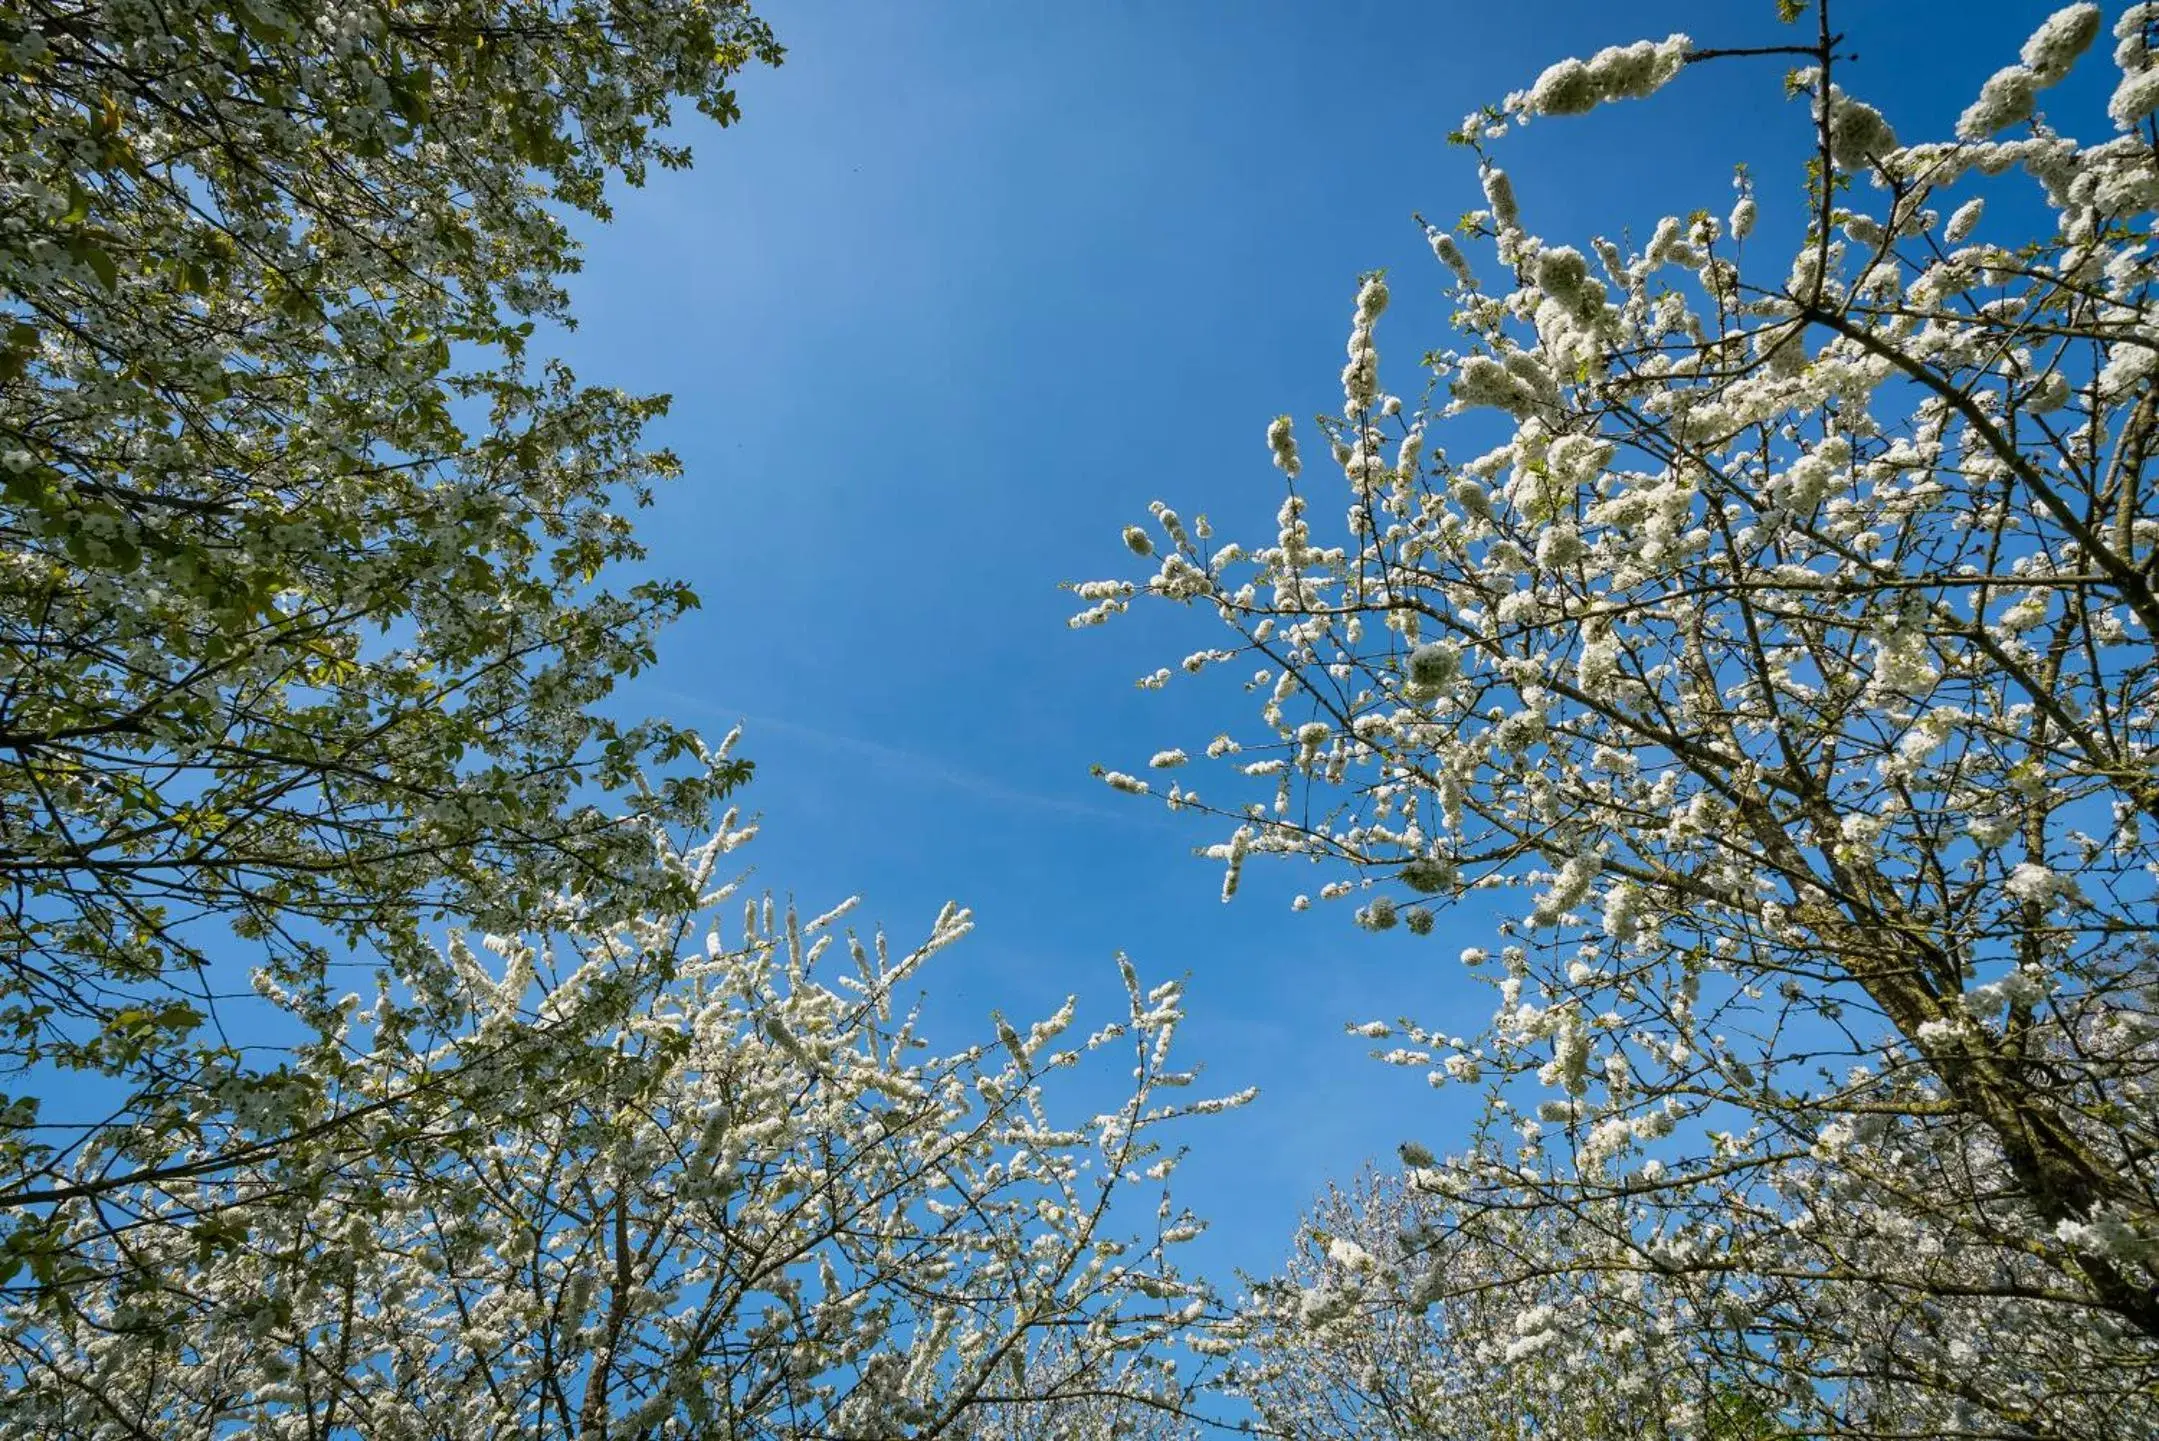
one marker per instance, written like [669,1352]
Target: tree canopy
[1790,657]
[1753,613]
[306,618]
[309,622]
[693,1173]
[1395,1321]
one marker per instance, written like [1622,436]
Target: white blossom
[2056,44]
[1795,698]
[1617,72]
[2008,97]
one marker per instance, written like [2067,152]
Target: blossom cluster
[1777,654]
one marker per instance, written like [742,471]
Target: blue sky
[970,285]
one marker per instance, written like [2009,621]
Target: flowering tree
[1377,1334]
[1072,1408]
[302,624]
[1791,657]
[640,1179]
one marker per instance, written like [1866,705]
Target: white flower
[1350,1256]
[1481,380]
[2008,96]
[1858,135]
[1617,72]
[1371,300]
[2127,363]
[2130,51]
[1566,88]
[1499,194]
[1558,547]
[1622,911]
[1598,664]
[1450,255]
[2025,614]
[1283,443]
[1633,72]
[2136,97]
[1569,888]
[1563,274]
[2033,882]
[1901,664]
[1320,1305]
[2056,44]
[1168,760]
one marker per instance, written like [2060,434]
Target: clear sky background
[974,282]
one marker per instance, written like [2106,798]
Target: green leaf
[101,264]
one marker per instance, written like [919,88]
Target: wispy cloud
[920,765]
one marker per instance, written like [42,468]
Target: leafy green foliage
[305,613]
